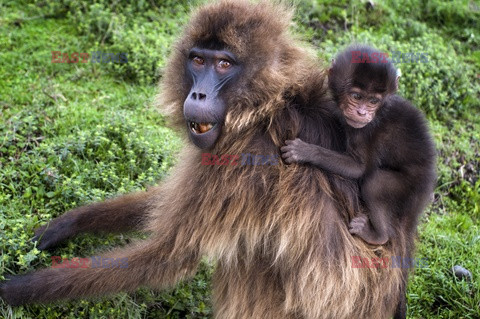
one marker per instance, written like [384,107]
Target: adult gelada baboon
[237,83]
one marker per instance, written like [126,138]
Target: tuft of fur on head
[377,77]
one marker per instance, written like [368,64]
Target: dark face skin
[359,107]
[204,108]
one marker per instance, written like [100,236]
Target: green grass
[71,134]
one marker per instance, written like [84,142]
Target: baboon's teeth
[200,128]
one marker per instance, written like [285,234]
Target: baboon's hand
[56,231]
[362,227]
[296,151]
[16,290]
[358,225]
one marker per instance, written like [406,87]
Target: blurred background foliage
[76,133]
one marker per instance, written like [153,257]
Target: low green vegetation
[71,134]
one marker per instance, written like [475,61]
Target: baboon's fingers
[55,232]
[12,291]
[357,224]
[288,158]
[285,148]
[287,154]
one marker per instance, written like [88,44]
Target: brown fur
[278,233]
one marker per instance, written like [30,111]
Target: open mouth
[201,128]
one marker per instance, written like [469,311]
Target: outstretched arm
[147,262]
[297,151]
[169,255]
[115,215]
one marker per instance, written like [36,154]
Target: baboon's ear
[331,67]
[399,74]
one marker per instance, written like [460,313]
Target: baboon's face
[212,72]
[359,107]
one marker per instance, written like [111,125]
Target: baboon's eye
[356,96]
[224,64]
[374,100]
[198,60]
